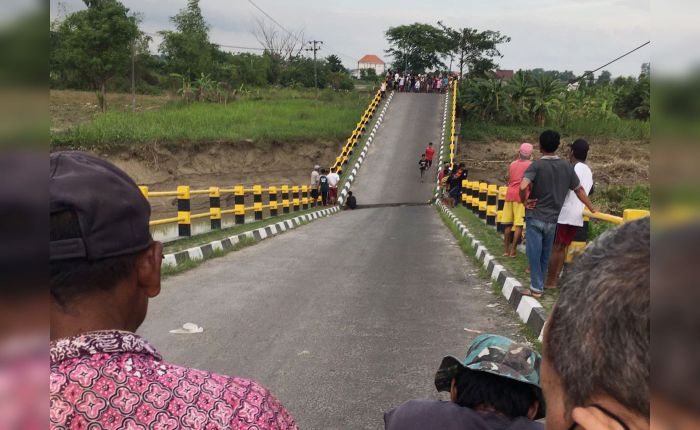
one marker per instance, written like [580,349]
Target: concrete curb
[363,155]
[529,310]
[260,234]
[442,144]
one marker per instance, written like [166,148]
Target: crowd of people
[593,374]
[419,83]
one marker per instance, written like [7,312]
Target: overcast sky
[576,35]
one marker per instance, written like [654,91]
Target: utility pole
[315,45]
[133,77]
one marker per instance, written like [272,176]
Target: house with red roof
[370,61]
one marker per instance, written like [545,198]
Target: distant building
[504,74]
[370,61]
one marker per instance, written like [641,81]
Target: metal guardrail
[293,198]
[488,200]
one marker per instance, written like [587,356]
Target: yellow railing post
[633,214]
[215,207]
[272,192]
[184,211]
[239,204]
[144,190]
[285,199]
[257,202]
[305,197]
[295,198]
[502,191]
[491,204]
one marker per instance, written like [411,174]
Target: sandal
[531,293]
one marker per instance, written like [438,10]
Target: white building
[370,61]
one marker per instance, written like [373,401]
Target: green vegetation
[290,115]
[93,49]
[536,98]
[201,239]
[191,264]
[614,200]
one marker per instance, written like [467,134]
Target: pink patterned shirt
[117,380]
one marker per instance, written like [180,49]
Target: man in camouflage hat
[495,387]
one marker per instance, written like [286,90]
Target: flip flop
[531,293]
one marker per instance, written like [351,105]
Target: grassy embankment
[265,115]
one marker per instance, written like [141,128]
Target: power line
[219,44]
[292,34]
[616,59]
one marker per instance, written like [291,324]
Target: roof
[371,59]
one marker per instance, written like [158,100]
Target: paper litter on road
[188,328]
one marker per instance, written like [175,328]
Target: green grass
[467,248]
[264,116]
[614,200]
[217,253]
[613,128]
[201,239]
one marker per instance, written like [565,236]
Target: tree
[604,78]
[96,43]
[188,51]
[335,64]
[474,49]
[545,97]
[280,45]
[417,47]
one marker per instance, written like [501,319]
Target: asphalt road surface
[343,318]
[390,174]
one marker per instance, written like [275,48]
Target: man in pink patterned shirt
[104,267]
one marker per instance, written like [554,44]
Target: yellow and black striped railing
[270,200]
[453,134]
[356,135]
[488,200]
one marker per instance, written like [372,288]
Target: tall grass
[261,115]
[614,200]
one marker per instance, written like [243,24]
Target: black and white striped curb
[363,154]
[202,251]
[442,144]
[529,310]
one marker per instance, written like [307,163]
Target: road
[346,317]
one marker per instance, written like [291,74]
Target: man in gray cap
[495,387]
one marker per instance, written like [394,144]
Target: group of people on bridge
[105,267]
[419,83]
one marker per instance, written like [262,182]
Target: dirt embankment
[163,167]
[613,162]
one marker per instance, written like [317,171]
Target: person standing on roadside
[382,89]
[549,180]
[324,187]
[313,184]
[429,154]
[571,215]
[333,180]
[513,215]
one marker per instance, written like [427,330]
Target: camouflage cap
[497,355]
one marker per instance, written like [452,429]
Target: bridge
[349,316]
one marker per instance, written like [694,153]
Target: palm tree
[545,101]
[520,92]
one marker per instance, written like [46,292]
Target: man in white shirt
[313,185]
[571,215]
[333,180]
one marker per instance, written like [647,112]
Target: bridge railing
[453,134]
[269,200]
[356,136]
[488,200]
